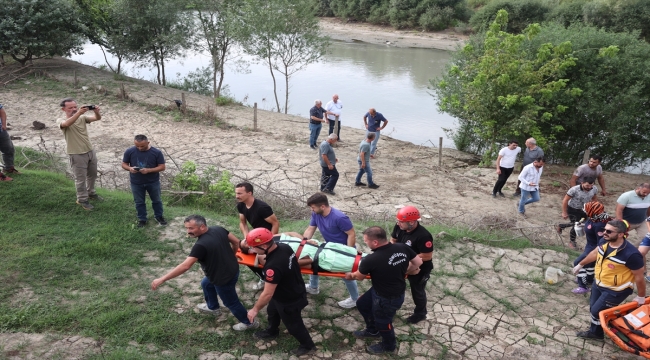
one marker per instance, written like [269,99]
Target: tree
[497,91]
[154,30]
[284,34]
[220,25]
[32,29]
[611,116]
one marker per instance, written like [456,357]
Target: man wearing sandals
[6,148]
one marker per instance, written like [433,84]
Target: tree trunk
[155,59]
[215,90]
[162,65]
[275,88]
[106,59]
[286,92]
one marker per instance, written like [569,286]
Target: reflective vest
[611,272]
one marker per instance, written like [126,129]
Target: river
[392,80]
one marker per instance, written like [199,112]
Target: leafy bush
[436,18]
[567,12]
[218,191]
[198,81]
[521,13]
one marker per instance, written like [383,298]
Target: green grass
[69,271]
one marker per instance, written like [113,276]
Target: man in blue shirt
[634,207]
[335,227]
[145,162]
[373,122]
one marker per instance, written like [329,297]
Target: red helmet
[408,213]
[259,236]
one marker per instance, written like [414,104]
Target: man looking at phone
[83,161]
[145,163]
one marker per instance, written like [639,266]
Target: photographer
[83,161]
[144,163]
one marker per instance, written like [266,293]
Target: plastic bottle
[552,275]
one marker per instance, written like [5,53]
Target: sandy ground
[276,158]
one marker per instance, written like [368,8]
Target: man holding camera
[83,161]
[145,163]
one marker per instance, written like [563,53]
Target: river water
[392,80]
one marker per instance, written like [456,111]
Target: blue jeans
[139,191]
[373,144]
[600,300]
[350,284]
[314,132]
[366,170]
[7,150]
[378,312]
[228,295]
[527,197]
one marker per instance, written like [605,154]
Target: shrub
[567,12]
[218,191]
[198,81]
[521,13]
[436,18]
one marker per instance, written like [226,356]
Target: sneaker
[360,184]
[378,349]
[647,278]
[4,177]
[266,334]
[300,351]
[85,204]
[573,245]
[558,229]
[501,194]
[365,334]
[311,290]
[373,186]
[580,290]
[416,318]
[516,194]
[312,147]
[494,195]
[259,285]
[142,223]
[95,197]
[204,309]
[242,326]
[348,303]
[589,335]
[161,220]
[12,170]
[328,191]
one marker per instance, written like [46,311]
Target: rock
[84,88]
[38,125]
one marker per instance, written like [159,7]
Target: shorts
[646,240]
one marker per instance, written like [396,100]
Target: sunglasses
[607,231]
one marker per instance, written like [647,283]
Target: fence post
[440,152]
[75,78]
[585,158]
[183,103]
[255,116]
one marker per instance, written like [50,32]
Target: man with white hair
[531,153]
[334,108]
[328,160]
[316,120]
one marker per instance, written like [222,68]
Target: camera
[89,107]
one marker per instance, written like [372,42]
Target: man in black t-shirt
[409,231]
[284,291]
[215,250]
[387,267]
[257,213]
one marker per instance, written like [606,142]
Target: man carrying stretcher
[329,257]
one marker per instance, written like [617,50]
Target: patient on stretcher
[330,257]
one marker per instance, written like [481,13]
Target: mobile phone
[137,168]
[89,107]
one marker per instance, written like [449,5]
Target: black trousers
[418,285]
[290,313]
[574,215]
[332,124]
[501,181]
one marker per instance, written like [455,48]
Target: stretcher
[630,332]
[249,260]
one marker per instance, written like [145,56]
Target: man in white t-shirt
[334,108]
[505,166]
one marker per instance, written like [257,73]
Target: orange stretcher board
[608,315]
[249,260]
